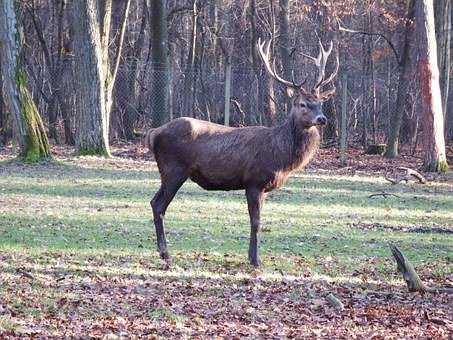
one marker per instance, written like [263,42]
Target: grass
[68,207]
[84,218]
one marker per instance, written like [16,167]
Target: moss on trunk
[93,151]
[438,165]
[36,146]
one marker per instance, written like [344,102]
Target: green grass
[67,224]
[85,209]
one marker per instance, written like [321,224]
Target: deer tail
[148,141]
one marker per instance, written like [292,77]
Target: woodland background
[198,58]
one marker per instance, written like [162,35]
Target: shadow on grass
[135,235]
[56,179]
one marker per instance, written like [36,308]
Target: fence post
[227,91]
[344,121]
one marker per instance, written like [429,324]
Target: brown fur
[224,158]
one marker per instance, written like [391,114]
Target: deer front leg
[255,199]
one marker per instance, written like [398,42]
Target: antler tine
[320,62]
[322,57]
[265,57]
[333,74]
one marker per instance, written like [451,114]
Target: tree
[29,128]
[94,78]
[2,112]
[284,45]
[129,76]
[433,122]
[443,35]
[161,67]
[403,84]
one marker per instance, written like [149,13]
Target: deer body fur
[257,159]
[217,157]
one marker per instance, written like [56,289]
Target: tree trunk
[92,72]
[93,76]
[433,123]
[284,46]
[29,127]
[160,81]
[2,113]
[443,14]
[344,122]
[134,57]
[403,85]
[256,65]
[366,88]
[190,65]
[227,91]
[67,96]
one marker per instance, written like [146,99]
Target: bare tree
[433,123]
[94,77]
[403,85]
[161,67]
[29,128]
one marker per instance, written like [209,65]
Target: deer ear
[290,92]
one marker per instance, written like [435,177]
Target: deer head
[306,105]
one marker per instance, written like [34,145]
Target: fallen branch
[335,302]
[393,181]
[25,273]
[384,194]
[414,173]
[413,281]
[410,174]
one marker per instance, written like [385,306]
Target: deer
[256,159]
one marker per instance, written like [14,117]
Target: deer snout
[321,120]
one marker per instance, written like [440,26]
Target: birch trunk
[29,128]
[433,122]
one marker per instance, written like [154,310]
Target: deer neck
[298,144]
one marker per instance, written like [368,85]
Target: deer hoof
[255,262]
[164,255]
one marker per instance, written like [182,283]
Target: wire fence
[147,95]
[141,95]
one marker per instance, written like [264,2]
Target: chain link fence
[198,93]
[143,92]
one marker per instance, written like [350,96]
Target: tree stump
[376,149]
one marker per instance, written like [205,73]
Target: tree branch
[120,41]
[39,32]
[348,30]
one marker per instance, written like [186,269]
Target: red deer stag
[256,158]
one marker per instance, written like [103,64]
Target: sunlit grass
[79,208]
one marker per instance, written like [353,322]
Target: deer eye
[302,105]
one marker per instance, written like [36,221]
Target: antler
[265,55]
[320,62]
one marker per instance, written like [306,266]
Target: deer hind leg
[159,204]
[255,198]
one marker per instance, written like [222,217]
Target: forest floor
[78,255]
